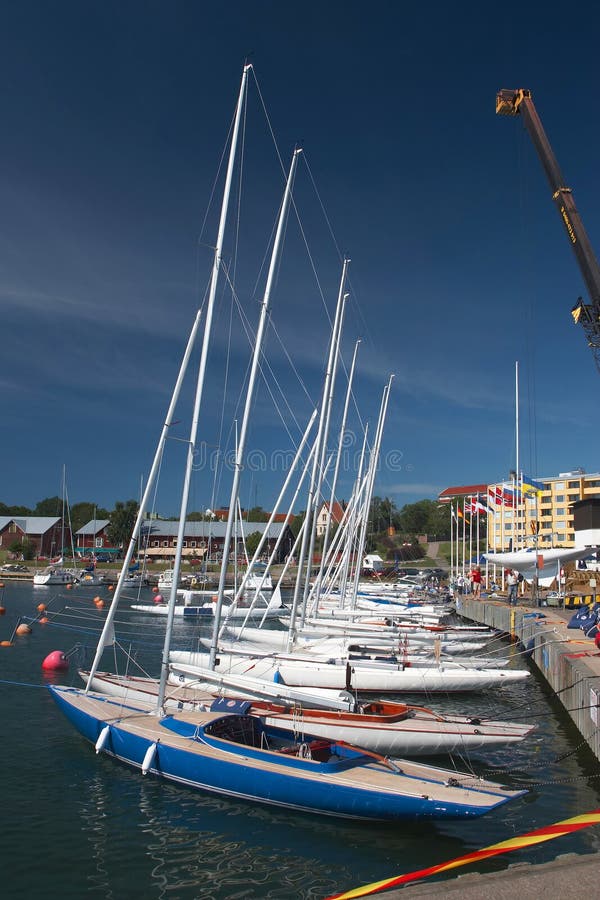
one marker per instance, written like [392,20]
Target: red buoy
[158,598]
[55,662]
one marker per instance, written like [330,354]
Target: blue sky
[114,119]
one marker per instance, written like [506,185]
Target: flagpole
[457,538]
[471,531]
[464,537]
[451,540]
[477,536]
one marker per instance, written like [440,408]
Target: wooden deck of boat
[413,779]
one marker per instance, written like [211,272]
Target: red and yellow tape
[539,836]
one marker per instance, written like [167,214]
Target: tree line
[389,527]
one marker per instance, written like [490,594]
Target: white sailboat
[55,573]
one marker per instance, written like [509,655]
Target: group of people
[472,584]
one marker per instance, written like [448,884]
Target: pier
[566,658]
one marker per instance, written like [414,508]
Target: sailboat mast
[107,631]
[371,481]
[199,391]
[336,471]
[305,557]
[249,398]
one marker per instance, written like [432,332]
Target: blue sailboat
[226,751]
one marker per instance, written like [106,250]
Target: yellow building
[547,514]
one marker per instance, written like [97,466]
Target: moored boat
[393,729]
[237,755]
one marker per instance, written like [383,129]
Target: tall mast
[336,471]
[249,398]
[371,481]
[318,459]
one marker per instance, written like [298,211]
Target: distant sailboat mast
[248,403]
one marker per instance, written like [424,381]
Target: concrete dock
[570,663]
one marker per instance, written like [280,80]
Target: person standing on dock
[512,584]
[475,576]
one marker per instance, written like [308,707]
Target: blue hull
[228,774]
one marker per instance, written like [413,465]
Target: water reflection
[110,833]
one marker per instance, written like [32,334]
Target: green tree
[24,547]
[14,510]
[122,520]
[252,542]
[51,506]
[256,514]
[84,512]
[296,523]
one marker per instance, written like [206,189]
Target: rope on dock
[530,839]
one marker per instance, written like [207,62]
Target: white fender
[149,758]
[103,738]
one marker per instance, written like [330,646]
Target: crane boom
[519,102]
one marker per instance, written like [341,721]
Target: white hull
[269,638]
[54,576]
[395,731]
[339,675]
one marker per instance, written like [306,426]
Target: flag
[501,496]
[479,507]
[453,514]
[529,486]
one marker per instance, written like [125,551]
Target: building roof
[337,511]
[215,529]
[30,524]
[93,527]
[465,490]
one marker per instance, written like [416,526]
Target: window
[572,484]
[12,527]
[560,498]
[561,511]
[193,544]
[559,485]
[560,537]
[156,543]
[99,542]
[165,543]
[594,483]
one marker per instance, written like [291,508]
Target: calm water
[76,824]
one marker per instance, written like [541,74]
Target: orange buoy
[55,662]
[1,584]
[96,599]
[2,610]
[41,607]
[111,587]
[155,590]
[44,620]
[99,603]
[5,644]
[23,628]
[69,586]
[158,598]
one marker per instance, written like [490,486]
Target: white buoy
[149,758]
[103,738]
